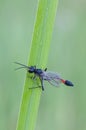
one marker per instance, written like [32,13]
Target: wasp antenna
[23,66]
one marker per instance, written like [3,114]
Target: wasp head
[32,69]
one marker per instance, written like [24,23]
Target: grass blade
[38,56]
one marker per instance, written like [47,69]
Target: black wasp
[53,78]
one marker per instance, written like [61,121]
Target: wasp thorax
[38,71]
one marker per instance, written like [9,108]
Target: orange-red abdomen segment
[63,81]
[67,82]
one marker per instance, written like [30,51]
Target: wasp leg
[45,69]
[35,66]
[35,87]
[34,77]
[41,79]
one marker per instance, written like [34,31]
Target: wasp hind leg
[41,79]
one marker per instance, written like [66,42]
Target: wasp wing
[53,78]
[54,83]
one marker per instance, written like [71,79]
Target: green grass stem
[38,56]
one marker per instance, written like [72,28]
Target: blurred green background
[61,108]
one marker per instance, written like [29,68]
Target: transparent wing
[55,83]
[53,78]
[50,75]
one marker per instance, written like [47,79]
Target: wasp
[52,77]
